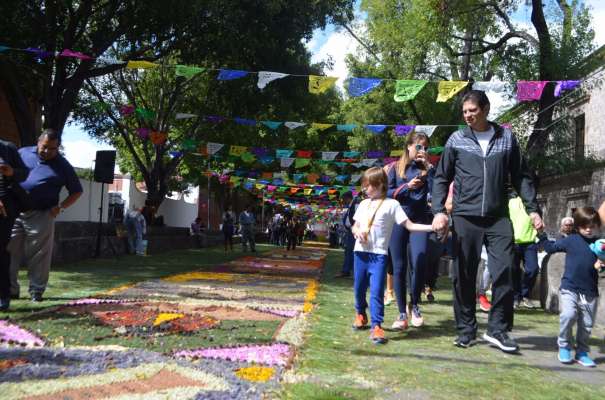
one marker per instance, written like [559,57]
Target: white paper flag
[355,178]
[328,155]
[285,162]
[358,164]
[294,125]
[213,147]
[426,129]
[185,116]
[368,162]
[264,77]
[490,86]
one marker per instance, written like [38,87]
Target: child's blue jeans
[370,270]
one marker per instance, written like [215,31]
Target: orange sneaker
[484,303]
[361,321]
[377,335]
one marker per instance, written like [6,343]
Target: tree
[474,40]
[269,44]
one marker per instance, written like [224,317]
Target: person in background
[197,231]
[602,213]
[136,227]
[247,222]
[12,171]
[348,222]
[34,231]
[526,250]
[409,182]
[228,229]
[566,228]
[579,292]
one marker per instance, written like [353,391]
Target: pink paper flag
[530,90]
[74,54]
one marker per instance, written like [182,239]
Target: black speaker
[105,164]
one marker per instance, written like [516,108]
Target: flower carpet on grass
[227,331]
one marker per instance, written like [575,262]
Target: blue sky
[80,148]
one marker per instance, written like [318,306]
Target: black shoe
[15,297]
[36,297]
[5,304]
[342,275]
[465,341]
[502,341]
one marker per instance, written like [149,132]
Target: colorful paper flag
[320,84]
[143,133]
[346,127]
[264,77]
[271,124]
[448,89]
[281,153]
[361,86]
[302,162]
[351,154]
[75,54]
[188,71]
[298,177]
[145,114]
[294,125]
[407,89]
[184,116]
[485,86]
[426,129]
[248,157]
[328,155]
[141,64]
[158,138]
[368,162]
[175,154]
[237,150]
[375,154]
[321,127]
[266,160]
[215,119]
[304,153]
[402,130]
[213,148]
[396,153]
[530,90]
[244,121]
[127,110]
[355,178]
[286,162]
[230,74]
[565,85]
[376,128]
[4,48]
[39,53]
[189,144]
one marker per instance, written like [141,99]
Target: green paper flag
[247,157]
[145,114]
[406,90]
[187,71]
[301,162]
[189,144]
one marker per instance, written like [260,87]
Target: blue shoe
[583,359]
[565,355]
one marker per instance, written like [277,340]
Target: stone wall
[558,195]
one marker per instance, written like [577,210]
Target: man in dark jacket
[12,170]
[481,159]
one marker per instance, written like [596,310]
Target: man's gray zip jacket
[480,181]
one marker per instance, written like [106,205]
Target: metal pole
[262,211]
[208,206]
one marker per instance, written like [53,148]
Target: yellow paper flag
[396,153]
[319,84]
[260,186]
[308,191]
[448,89]
[237,150]
[321,127]
[140,64]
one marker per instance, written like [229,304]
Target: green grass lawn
[338,363]
[87,278]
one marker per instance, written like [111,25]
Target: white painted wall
[87,206]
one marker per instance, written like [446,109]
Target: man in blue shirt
[33,233]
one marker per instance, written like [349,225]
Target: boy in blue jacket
[579,285]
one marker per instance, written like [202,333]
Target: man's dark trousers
[470,233]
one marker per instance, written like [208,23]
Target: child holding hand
[374,220]
[579,285]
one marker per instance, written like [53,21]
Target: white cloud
[81,153]
[336,47]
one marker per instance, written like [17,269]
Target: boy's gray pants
[576,307]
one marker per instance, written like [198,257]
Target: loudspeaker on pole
[105,164]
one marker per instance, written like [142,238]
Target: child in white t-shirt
[374,220]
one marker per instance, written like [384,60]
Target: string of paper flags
[405,90]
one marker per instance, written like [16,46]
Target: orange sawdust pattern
[162,380]
[7,364]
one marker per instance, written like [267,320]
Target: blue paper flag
[376,128]
[351,154]
[39,53]
[341,178]
[340,164]
[266,160]
[175,154]
[298,177]
[271,124]
[230,74]
[3,48]
[361,86]
[346,127]
[244,121]
[402,130]
[283,153]
[375,154]
[249,185]
[278,181]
